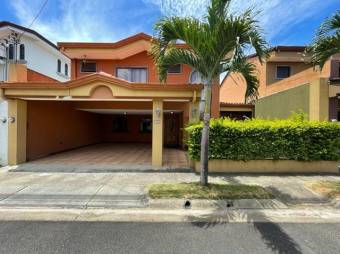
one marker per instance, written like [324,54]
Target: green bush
[259,139]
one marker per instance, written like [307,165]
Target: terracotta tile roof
[123,42]
[283,49]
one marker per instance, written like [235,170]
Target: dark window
[339,115]
[145,125]
[282,72]
[120,124]
[237,115]
[66,70]
[174,69]
[11,52]
[59,66]
[22,52]
[138,75]
[88,67]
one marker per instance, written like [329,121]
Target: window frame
[176,73]
[66,69]
[191,73]
[81,67]
[59,66]
[22,52]
[134,67]
[283,66]
[11,51]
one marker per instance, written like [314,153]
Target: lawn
[327,188]
[212,191]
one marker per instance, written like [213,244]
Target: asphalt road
[107,237]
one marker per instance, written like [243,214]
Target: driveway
[106,157]
[115,190]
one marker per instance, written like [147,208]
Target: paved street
[104,237]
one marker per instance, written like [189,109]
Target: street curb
[179,215]
[200,204]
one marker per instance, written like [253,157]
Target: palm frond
[217,11]
[326,42]
[249,72]
[220,39]
[173,56]
[330,26]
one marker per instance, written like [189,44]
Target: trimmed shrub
[259,139]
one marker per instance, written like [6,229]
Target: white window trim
[290,71]
[133,67]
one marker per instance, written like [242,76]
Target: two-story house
[26,56]
[288,82]
[114,100]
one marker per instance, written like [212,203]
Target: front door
[171,129]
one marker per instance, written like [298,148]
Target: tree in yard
[326,42]
[214,45]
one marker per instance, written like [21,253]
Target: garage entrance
[76,136]
[50,118]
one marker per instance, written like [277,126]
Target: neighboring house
[289,83]
[114,95]
[26,56]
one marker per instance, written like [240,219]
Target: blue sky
[285,22]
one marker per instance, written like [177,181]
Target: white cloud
[76,20]
[110,20]
[275,15]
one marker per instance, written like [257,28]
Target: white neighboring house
[38,54]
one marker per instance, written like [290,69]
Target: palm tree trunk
[205,136]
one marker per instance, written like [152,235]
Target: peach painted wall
[234,86]
[56,126]
[33,76]
[140,60]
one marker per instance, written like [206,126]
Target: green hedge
[259,139]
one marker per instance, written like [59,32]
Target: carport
[99,119]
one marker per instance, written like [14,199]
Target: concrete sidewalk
[128,190]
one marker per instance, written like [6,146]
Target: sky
[284,22]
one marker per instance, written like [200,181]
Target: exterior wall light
[11,119]
[3,119]
[158,112]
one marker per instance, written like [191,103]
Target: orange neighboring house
[113,96]
[287,83]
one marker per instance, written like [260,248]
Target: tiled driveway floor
[105,157]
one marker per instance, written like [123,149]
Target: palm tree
[214,45]
[327,41]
